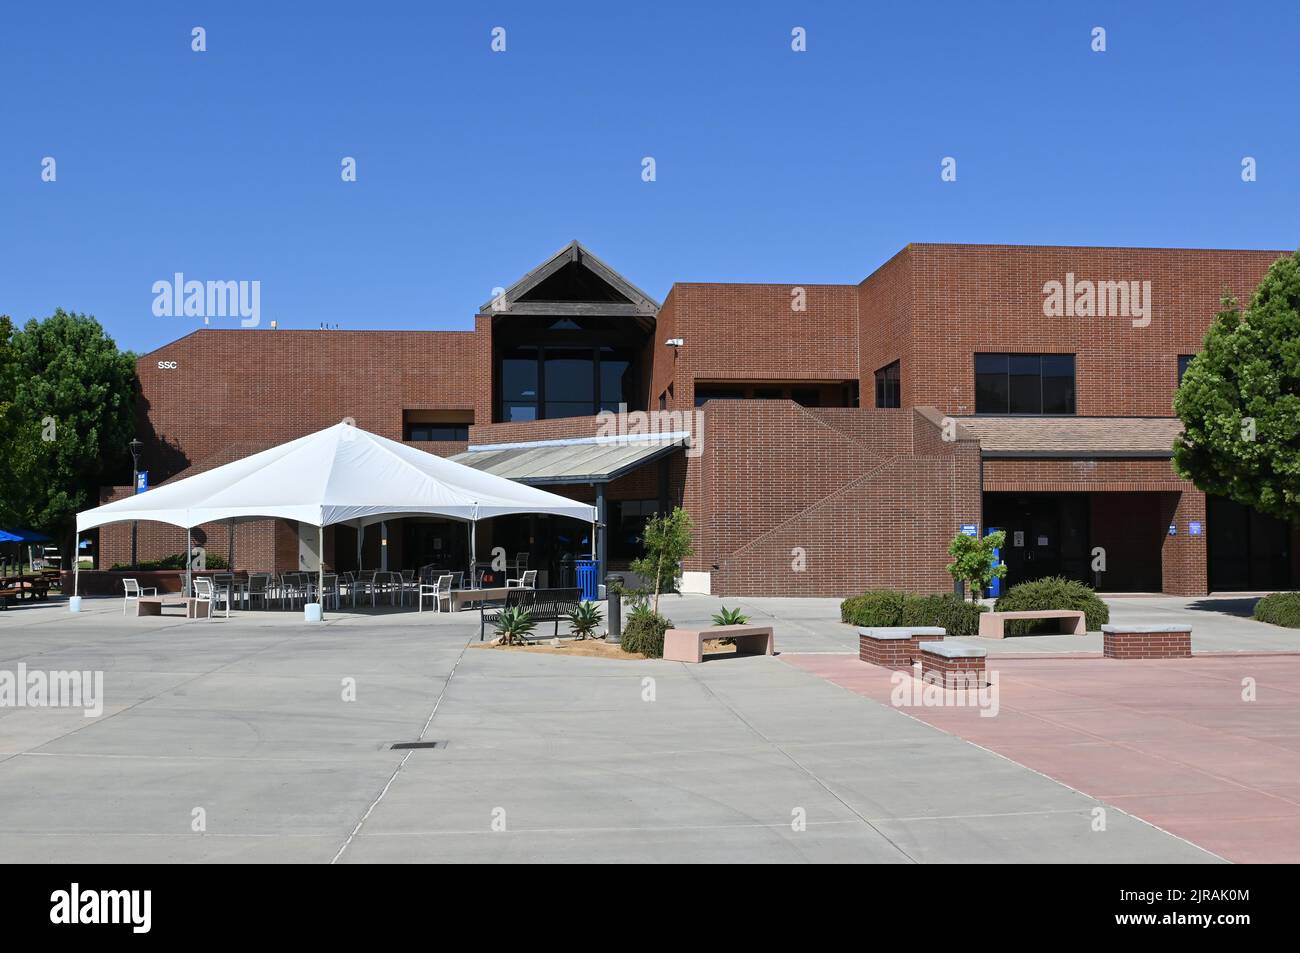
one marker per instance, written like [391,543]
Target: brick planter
[1146,641]
[953,665]
[895,646]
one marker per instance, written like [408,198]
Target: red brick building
[826,439]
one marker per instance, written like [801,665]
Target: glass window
[570,382]
[1058,383]
[519,384]
[806,397]
[627,526]
[615,380]
[888,386]
[992,394]
[437,431]
[1183,361]
[1024,384]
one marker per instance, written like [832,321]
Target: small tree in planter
[667,541]
[972,561]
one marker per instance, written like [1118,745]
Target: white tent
[341,474]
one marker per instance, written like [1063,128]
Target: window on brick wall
[889,391]
[1183,361]
[431,425]
[626,522]
[1024,383]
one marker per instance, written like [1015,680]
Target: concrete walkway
[233,741]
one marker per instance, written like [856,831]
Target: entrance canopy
[337,475]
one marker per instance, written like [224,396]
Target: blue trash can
[588,585]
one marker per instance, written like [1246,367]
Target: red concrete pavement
[1175,742]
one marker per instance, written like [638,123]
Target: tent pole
[320,566]
[473,555]
[361,532]
[76,567]
[189,560]
[230,544]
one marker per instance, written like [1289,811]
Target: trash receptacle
[588,585]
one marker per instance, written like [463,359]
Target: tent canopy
[20,534]
[341,474]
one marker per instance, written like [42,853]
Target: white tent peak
[341,474]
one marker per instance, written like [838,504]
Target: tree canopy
[1239,400]
[66,416]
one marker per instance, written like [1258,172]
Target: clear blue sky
[473,166]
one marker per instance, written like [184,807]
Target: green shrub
[174,561]
[953,615]
[1052,592]
[1280,608]
[873,609]
[886,608]
[644,632]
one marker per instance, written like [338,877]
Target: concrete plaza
[243,724]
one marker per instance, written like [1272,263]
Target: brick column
[1183,556]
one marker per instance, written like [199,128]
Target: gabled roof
[616,295]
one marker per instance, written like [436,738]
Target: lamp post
[135,446]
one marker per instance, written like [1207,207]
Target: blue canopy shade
[18,534]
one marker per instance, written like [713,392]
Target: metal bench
[543,605]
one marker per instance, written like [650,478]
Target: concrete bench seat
[687,645]
[154,605]
[1071,621]
[1146,641]
[895,646]
[953,664]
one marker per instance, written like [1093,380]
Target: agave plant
[513,626]
[584,619]
[727,616]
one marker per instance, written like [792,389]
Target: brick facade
[786,499]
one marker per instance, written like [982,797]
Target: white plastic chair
[529,581]
[204,593]
[133,592]
[437,592]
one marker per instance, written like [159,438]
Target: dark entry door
[1046,535]
[1247,550]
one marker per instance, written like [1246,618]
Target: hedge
[1051,592]
[1280,608]
[887,608]
[644,633]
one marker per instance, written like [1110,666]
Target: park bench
[1071,621]
[687,645]
[543,605]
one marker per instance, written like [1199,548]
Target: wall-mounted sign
[142,481]
[1018,538]
[1042,541]
[969,529]
[1173,529]
[1193,528]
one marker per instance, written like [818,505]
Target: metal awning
[576,460]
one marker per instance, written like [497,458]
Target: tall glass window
[615,379]
[889,386]
[519,392]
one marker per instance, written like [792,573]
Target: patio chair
[204,594]
[134,592]
[330,590]
[521,563]
[527,581]
[258,582]
[437,592]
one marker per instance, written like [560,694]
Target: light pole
[135,446]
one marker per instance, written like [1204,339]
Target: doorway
[1047,534]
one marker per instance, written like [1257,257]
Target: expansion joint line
[401,764]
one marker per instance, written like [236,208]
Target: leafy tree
[67,395]
[1240,400]
[972,560]
[667,541]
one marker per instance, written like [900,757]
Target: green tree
[1240,400]
[972,561]
[667,541]
[67,423]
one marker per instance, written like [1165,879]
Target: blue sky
[473,166]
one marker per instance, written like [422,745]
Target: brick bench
[1070,621]
[953,664]
[687,645]
[895,646]
[1146,641]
